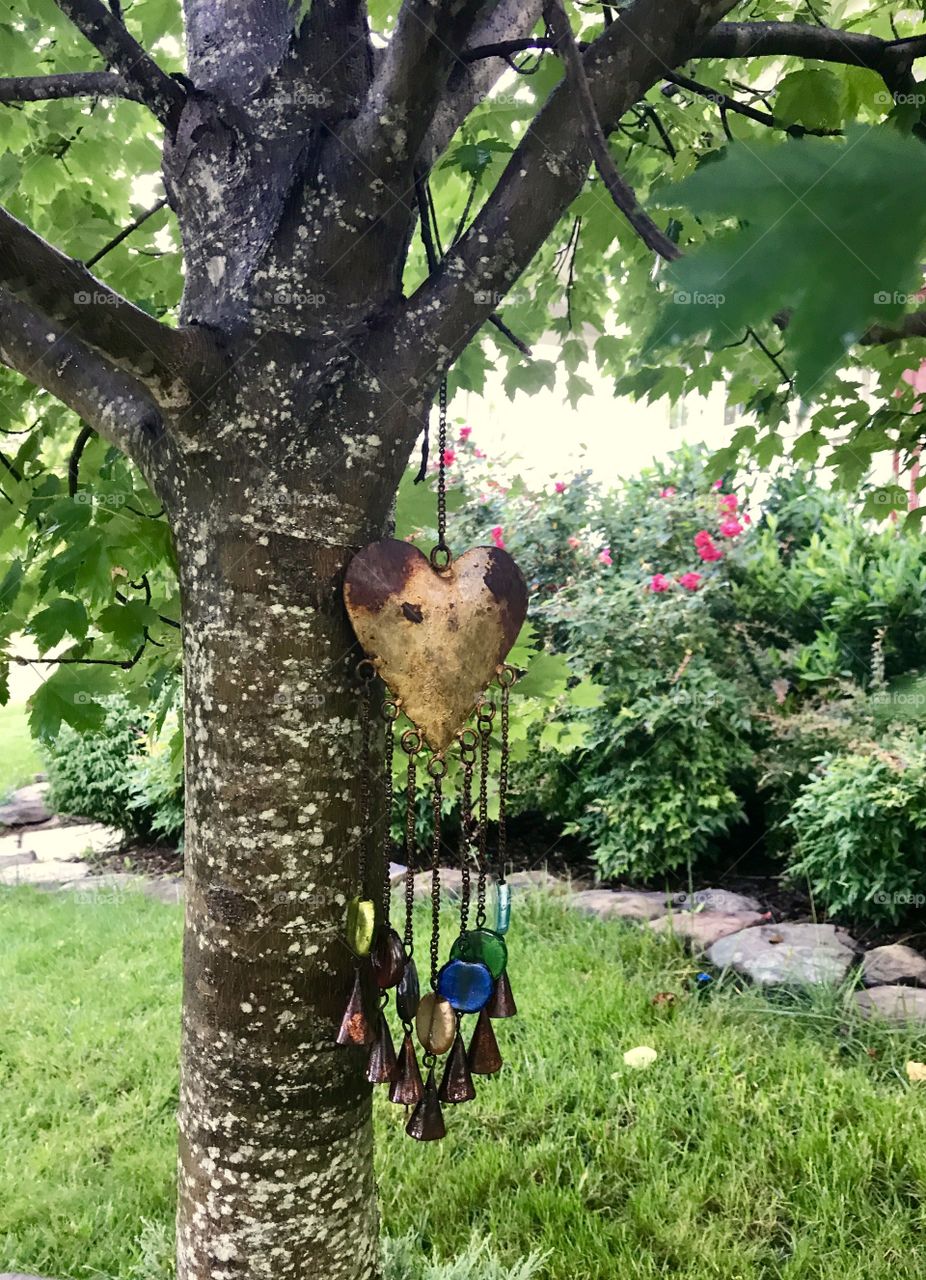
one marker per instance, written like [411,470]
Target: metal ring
[390,710]
[411,742]
[437,767]
[468,739]
[485,710]
[434,557]
[506,675]
[366,669]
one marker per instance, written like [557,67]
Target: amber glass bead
[361,920]
[388,957]
[482,946]
[465,985]
[435,1024]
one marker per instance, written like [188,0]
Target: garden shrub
[109,775]
[860,831]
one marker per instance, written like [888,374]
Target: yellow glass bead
[435,1023]
[361,921]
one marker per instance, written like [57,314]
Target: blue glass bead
[465,986]
[502,907]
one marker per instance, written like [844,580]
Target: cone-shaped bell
[427,1120]
[382,1067]
[501,1004]
[355,1029]
[457,1083]
[407,1088]
[484,1058]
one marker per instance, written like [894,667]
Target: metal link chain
[468,759]
[506,678]
[484,716]
[390,713]
[366,673]
[442,467]
[409,740]
[436,768]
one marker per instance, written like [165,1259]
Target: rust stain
[412,611]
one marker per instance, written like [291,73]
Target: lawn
[770,1138]
[19,759]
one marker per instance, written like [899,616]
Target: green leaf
[824,228]
[62,617]
[68,695]
[547,677]
[815,98]
[127,623]
[530,376]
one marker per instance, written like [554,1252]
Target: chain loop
[366,766]
[485,729]
[435,870]
[409,853]
[388,754]
[506,678]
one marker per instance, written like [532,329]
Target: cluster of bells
[474,980]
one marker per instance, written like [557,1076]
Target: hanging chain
[468,743]
[390,715]
[441,555]
[506,678]
[366,673]
[411,745]
[485,714]
[437,768]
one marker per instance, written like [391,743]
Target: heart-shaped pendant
[436,636]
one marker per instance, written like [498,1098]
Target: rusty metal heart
[436,637]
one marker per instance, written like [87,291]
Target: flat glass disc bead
[482,946]
[361,920]
[466,985]
[407,992]
[435,1023]
[502,907]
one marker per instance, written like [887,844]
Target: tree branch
[123,54]
[540,181]
[73,84]
[892,59]
[621,192]
[126,232]
[727,103]
[46,353]
[911,326]
[63,289]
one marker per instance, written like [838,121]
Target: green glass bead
[502,907]
[361,921]
[482,946]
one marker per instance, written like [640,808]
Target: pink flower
[747,519]
[659,582]
[604,556]
[573,541]
[560,486]
[915,378]
[702,537]
[465,433]
[731,527]
[668,492]
[718,484]
[690,581]
[479,453]
[497,536]
[449,458]
[729,502]
[707,549]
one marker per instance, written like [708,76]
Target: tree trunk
[276,1173]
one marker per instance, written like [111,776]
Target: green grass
[771,1138]
[19,758]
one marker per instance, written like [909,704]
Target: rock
[109,885]
[18,859]
[451,883]
[883,966]
[396,873]
[521,880]
[43,875]
[609,904]
[26,806]
[786,954]
[896,1004]
[719,900]
[58,844]
[700,929]
[167,889]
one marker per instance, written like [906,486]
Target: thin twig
[126,232]
[619,189]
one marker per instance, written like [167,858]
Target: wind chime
[436,630]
